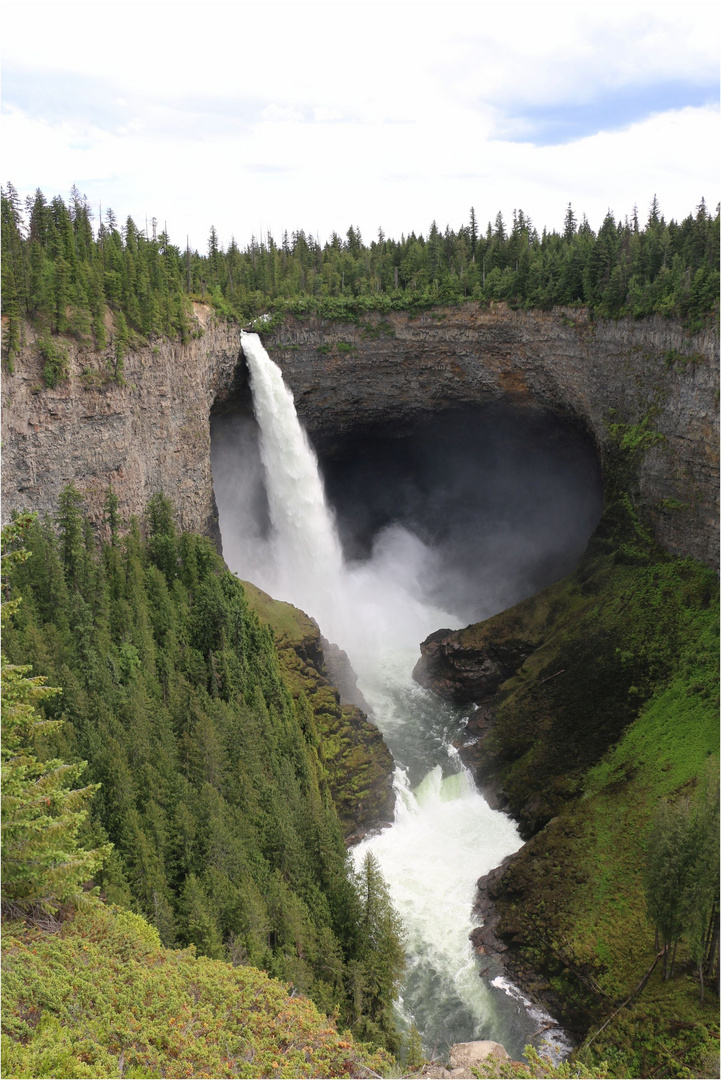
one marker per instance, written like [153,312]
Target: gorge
[386,391]
[423,528]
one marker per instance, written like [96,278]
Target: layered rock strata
[392,370]
[148,433]
[152,433]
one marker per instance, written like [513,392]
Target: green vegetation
[55,361]
[112,286]
[682,877]
[674,357]
[539,1068]
[43,865]
[100,997]
[212,788]
[358,762]
[604,740]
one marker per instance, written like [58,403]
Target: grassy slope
[631,719]
[102,998]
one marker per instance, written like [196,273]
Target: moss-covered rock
[359,764]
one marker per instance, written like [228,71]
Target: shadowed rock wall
[389,369]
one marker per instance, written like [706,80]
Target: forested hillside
[109,284]
[213,790]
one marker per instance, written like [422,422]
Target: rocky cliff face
[153,433]
[150,434]
[390,370]
[359,764]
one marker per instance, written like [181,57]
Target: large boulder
[470,1054]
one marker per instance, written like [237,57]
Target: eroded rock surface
[153,432]
[464,1057]
[459,668]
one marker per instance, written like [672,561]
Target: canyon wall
[150,433]
[385,371]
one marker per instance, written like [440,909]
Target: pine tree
[43,864]
[473,231]
[70,526]
[569,224]
[382,952]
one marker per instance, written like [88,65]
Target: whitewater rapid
[445,836]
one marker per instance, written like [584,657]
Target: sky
[257,117]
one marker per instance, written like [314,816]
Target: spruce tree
[43,863]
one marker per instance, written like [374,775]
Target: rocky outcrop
[465,1057]
[457,667]
[469,665]
[341,674]
[359,764]
[152,433]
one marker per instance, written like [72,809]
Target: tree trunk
[711,958]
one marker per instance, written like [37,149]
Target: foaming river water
[444,836]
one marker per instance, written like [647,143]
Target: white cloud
[317,116]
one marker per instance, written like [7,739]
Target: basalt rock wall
[385,371]
[390,369]
[146,434]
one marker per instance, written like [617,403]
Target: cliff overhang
[152,431]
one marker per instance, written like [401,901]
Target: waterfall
[372,610]
[445,835]
[305,556]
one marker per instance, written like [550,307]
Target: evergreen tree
[68,280]
[569,224]
[473,232]
[681,874]
[212,787]
[43,863]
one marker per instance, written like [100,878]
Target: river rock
[469,1054]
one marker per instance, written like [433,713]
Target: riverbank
[611,710]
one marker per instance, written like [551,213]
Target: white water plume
[371,609]
[445,835]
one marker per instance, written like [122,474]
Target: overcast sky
[257,116]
